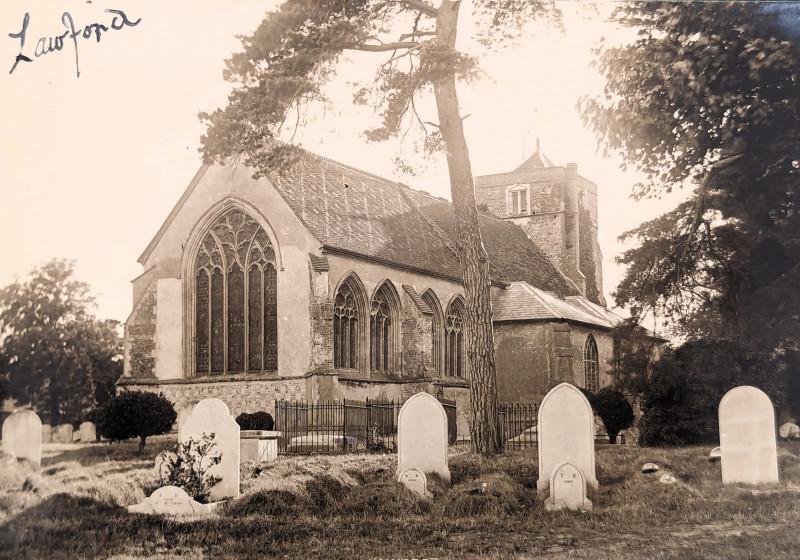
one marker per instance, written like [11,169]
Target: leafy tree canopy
[708,95]
[54,354]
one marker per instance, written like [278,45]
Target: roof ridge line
[535,293]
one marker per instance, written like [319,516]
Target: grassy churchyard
[350,507]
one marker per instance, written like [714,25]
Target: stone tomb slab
[415,480]
[566,435]
[170,500]
[88,432]
[22,436]
[567,489]
[260,446]
[422,436]
[212,416]
[747,437]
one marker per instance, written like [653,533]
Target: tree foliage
[189,468]
[295,51]
[680,393]
[708,96]
[54,354]
[136,414]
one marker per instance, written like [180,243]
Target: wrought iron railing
[517,425]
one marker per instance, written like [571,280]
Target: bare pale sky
[93,164]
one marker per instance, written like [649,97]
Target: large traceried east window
[236,319]
[591,364]
[454,350]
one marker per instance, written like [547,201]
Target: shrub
[136,414]
[256,421]
[615,410]
[190,465]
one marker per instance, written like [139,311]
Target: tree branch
[420,6]
[382,47]
[405,36]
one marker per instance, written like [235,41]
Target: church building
[329,283]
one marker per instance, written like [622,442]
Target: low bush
[615,411]
[256,421]
[136,414]
[189,467]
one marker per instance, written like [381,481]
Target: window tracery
[454,362]
[591,364]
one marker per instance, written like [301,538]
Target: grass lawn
[350,507]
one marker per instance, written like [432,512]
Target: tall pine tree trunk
[471,253]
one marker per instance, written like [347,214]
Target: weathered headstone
[789,430]
[63,433]
[183,415]
[566,435]
[22,436]
[170,500]
[212,416]
[415,480]
[88,432]
[47,435]
[747,437]
[422,436]
[567,489]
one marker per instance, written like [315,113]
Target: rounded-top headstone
[212,416]
[422,436]
[567,489]
[566,434]
[22,436]
[747,437]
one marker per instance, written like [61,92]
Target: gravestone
[567,489]
[22,436]
[212,416]
[566,435]
[415,480]
[47,435]
[170,500]
[747,437]
[88,432]
[183,415]
[422,436]
[63,433]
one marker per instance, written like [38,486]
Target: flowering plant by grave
[189,467]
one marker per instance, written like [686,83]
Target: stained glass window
[454,339]
[381,330]
[591,364]
[235,298]
[436,335]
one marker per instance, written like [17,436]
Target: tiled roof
[523,302]
[537,161]
[360,213]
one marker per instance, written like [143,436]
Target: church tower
[557,208]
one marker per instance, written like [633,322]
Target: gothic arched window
[454,350]
[383,325]
[436,335]
[236,318]
[591,364]
[345,328]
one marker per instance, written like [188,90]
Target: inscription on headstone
[212,416]
[415,480]
[747,437]
[422,436]
[567,489]
[22,436]
[566,435]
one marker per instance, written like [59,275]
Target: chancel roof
[522,302]
[359,213]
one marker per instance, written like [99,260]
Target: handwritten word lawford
[46,45]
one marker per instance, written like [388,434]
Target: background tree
[708,96]
[295,51]
[54,355]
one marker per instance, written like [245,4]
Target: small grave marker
[47,435]
[63,433]
[415,480]
[212,416]
[567,489]
[22,436]
[88,432]
[170,500]
[422,436]
[747,437]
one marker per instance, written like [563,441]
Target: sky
[93,164]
